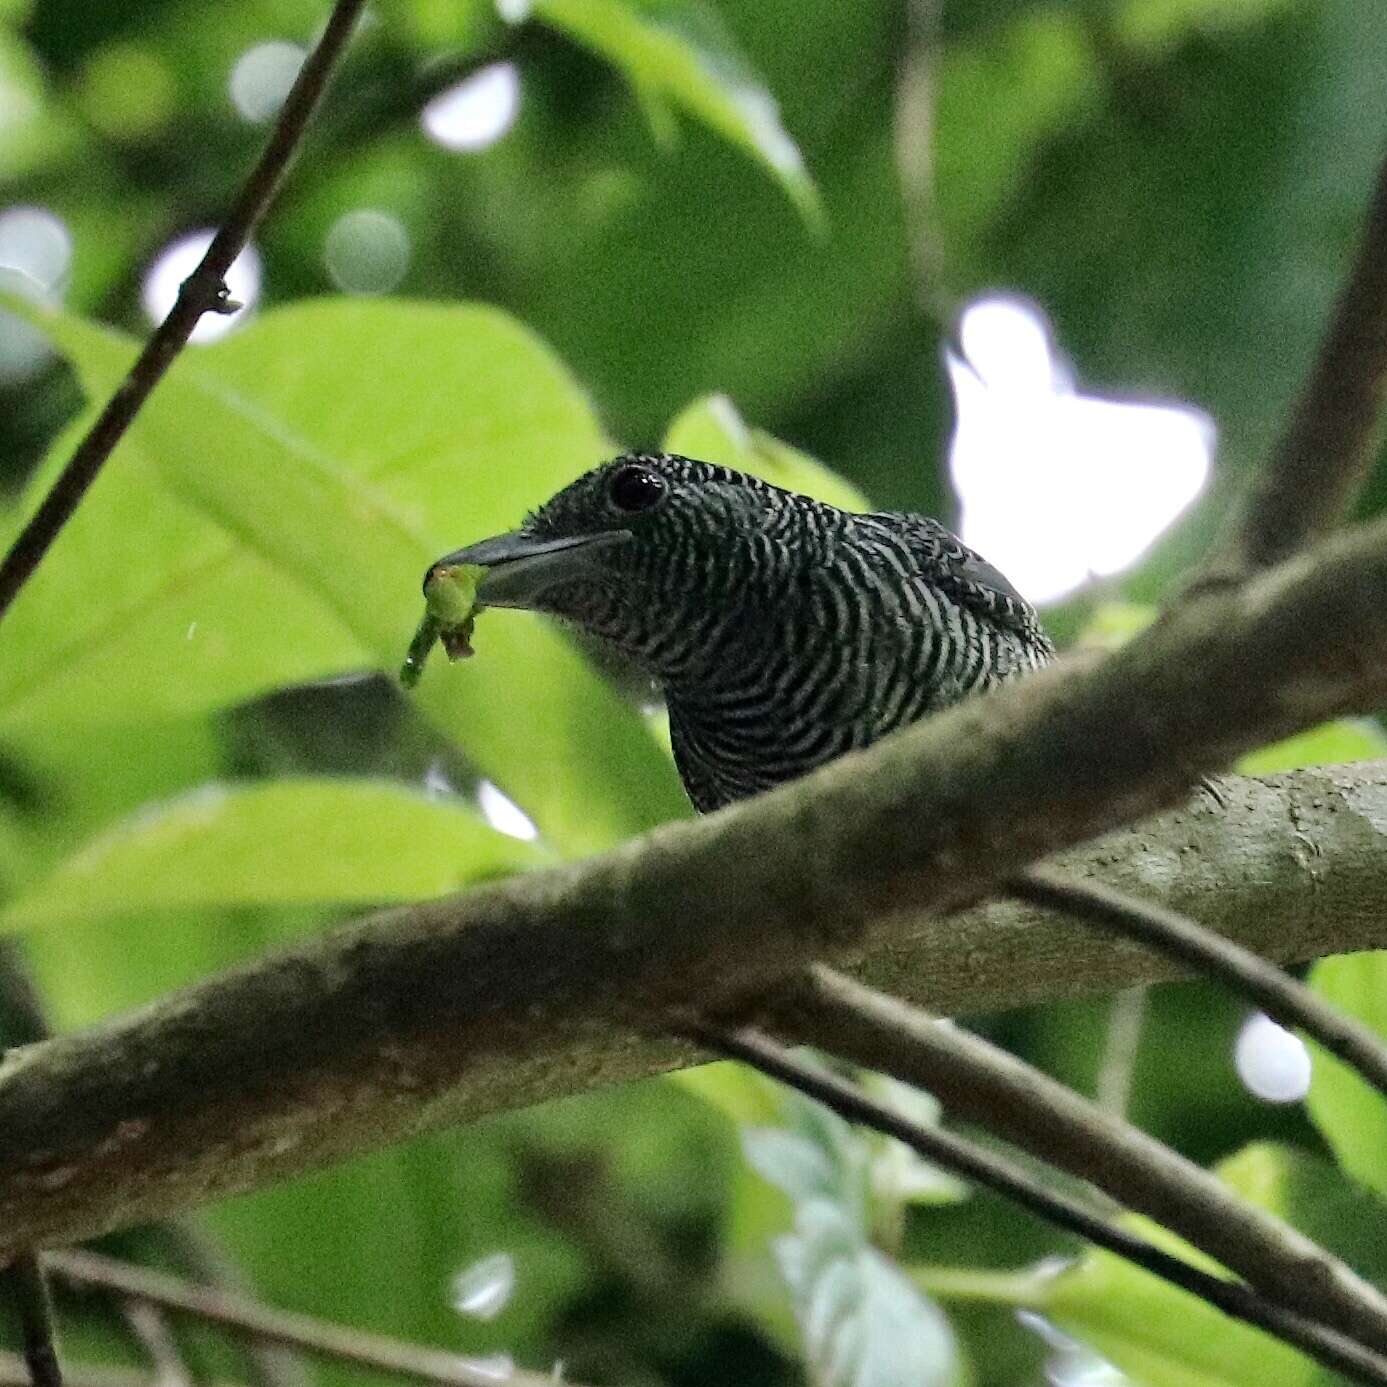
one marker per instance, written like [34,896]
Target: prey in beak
[513,570]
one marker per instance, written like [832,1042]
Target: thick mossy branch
[543,985]
[540,985]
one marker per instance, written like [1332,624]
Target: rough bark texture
[509,996]
[541,985]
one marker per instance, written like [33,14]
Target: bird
[782,631]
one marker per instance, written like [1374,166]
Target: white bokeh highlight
[474,113]
[1272,1062]
[504,814]
[482,1290]
[366,251]
[261,77]
[1057,487]
[177,261]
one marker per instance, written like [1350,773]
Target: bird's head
[642,547]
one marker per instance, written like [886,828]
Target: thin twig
[151,1331]
[202,292]
[34,1309]
[22,1020]
[1016,1102]
[196,1254]
[244,1315]
[1269,987]
[1127,1011]
[1005,1177]
[1313,474]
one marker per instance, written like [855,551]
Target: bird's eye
[636,489]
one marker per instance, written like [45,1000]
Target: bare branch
[196,1254]
[202,292]
[1269,987]
[1113,1091]
[524,990]
[1309,482]
[1011,1099]
[1003,1176]
[151,1331]
[243,1315]
[28,1289]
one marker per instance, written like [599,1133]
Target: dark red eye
[636,488]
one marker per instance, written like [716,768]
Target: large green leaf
[678,51]
[1164,1337]
[1350,1113]
[286,842]
[343,446]
[712,429]
[145,610]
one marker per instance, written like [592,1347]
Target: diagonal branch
[528,987]
[1167,931]
[204,291]
[1004,1176]
[243,1315]
[1330,442]
[983,1084]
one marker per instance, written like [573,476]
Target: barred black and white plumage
[782,631]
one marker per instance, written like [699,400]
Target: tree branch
[1167,931]
[151,1331]
[983,1084]
[422,1016]
[1003,1176]
[202,292]
[242,1315]
[1316,469]
[34,1311]
[520,992]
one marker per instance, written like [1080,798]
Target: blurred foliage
[697,229]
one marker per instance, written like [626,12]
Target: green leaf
[1348,739]
[1164,1337]
[864,1322]
[1350,1113]
[287,842]
[679,51]
[177,629]
[711,429]
[738,1092]
[321,459]
[1114,623]
[898,1174]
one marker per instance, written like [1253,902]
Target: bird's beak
[521,568]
